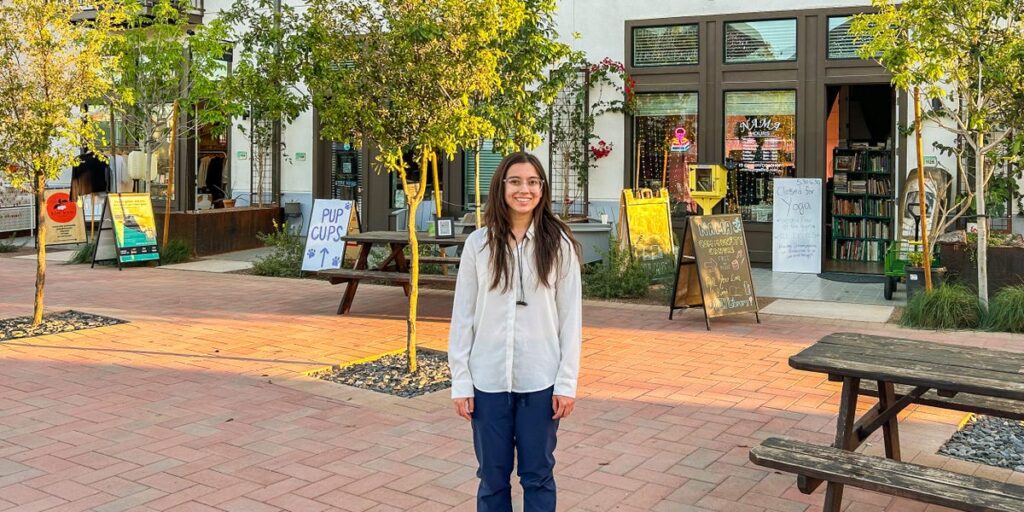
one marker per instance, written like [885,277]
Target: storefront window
[760,41]
[674,45]
[665,132]
[841,43]
[760,138]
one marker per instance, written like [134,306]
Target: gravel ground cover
[388,374]
[53,323]
[988,440]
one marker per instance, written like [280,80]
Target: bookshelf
[861,204]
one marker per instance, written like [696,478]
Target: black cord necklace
[522,290]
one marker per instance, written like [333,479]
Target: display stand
[127,232]
[713,261]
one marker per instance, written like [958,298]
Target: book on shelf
[857,186]
[839,182]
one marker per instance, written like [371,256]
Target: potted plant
[915,273]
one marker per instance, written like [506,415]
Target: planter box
[915,280]
[593,238]
[1005,265]
[224,229]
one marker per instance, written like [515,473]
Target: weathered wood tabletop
[948,368]
[971,374]
[394,267]
[402,237]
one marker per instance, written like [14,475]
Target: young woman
[514,344]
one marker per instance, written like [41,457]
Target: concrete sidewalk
[202,403]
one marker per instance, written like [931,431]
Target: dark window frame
[632,45]
[796,41]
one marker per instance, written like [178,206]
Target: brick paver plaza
[201,403]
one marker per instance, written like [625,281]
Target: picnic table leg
[890,429]
[401,263]
[846,437]
[350,288]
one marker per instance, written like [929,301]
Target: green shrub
[617,276]
[176,251]
[83,254]
[286,258]
[950,306]
[6,246]
[1006,310]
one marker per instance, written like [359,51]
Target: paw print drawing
[336,261]
[310,253]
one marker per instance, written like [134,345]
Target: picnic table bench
[903,372]
[395,267]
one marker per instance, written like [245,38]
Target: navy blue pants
[505,424]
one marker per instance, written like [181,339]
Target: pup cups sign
[328,225]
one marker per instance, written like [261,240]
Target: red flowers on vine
[601,150]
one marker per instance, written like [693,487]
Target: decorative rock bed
[988,440]
[53,323]
[389,374]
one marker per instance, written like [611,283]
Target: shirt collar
[529,232]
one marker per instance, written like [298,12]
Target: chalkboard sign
[715,248]
[796,225]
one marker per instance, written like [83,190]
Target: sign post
[130,225]
[796,225]
[328,225]
[64,219]
[714,259]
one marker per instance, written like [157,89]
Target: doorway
[860,177]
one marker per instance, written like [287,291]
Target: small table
[978,375]
[395,263]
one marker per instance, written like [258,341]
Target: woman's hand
[464,407]
[562,406]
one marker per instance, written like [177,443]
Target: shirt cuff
[565,389]
[462,389]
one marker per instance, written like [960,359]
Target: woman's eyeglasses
[516,182]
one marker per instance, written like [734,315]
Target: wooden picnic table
[906,372]
[395,267]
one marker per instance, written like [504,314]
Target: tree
[402,74]
[965,54]
[51,63]
[264,82]
[532,68]
[164,65]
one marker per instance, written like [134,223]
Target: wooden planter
[1005,265]
[224,229]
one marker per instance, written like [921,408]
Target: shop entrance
[860,176]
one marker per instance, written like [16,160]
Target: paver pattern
[201,403]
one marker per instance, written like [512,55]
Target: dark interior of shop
[861,178]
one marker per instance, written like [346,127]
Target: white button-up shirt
[496,345]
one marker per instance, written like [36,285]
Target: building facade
[773,89]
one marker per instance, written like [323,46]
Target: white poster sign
[328,224]
[17,209]
[796,225]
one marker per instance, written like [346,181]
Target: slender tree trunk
[148,174]
[413,200]
[921,192]
[979,187]
[414,283]
[479,146]
[170,175]
[437,183]
[40,190]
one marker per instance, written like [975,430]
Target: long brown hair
[548,229]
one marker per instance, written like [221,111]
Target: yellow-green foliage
[49,67]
